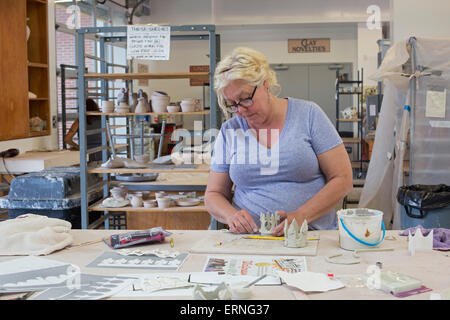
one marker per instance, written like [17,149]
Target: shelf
[198,168]
[115,114]
[39,1]
[37,99]
[37,65]
[153,75]
[39,133]
[349,92]
[351,140]
[349,81]
[98,207]
[348,120]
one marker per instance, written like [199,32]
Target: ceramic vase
[141,107]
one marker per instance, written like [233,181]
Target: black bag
[423,198]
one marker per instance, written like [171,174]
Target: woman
[93,140]
[282,154]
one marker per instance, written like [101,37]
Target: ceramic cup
[136,200]
[142,158]
[107,106]
[187,106]
[163,202]
[150,203]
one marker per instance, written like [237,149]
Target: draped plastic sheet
[431,138]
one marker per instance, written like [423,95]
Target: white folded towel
[32,234]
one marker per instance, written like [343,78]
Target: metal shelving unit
[352,87]
[118,34]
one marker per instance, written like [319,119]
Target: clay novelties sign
[308,45]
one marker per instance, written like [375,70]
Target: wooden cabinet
[23,68]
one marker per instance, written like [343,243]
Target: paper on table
[128,290]
[310,281]
[28,263]
[34,273]
[216,278]
[252,265]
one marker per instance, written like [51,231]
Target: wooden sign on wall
[200,81]
[308,45]
[142,68]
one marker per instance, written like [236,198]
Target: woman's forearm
[219,206]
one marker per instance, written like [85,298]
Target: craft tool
[273,238]
[136,237]
[83,244]
[255,281]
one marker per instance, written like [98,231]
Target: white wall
[368,51]
[240,12]
[429,18]
[47,142]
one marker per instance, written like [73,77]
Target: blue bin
[53,192]
[426,205]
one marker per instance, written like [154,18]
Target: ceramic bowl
[108,110]
[189,100]
[187,202]
[159,93]
[150,203]
[173,109]
[160,98]
[142,158]
[187,107]
[163,202]
[122,110]
[159,106]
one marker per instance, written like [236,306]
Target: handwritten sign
[148,42]
[308,45]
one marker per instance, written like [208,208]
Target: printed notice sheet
[148,42]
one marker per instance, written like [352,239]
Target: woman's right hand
[242,222]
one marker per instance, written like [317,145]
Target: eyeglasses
[245,103]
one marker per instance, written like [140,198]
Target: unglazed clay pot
[136,200]
[141,106]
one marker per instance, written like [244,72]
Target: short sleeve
[220,154]
[323,134]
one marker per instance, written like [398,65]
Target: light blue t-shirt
[285,176]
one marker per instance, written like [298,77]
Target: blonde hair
[243,64]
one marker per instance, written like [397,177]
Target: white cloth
[32,234]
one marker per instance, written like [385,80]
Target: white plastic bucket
[360,228]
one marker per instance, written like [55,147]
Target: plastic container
[426,205]
[360,228]
[54,193]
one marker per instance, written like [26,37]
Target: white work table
[431,267]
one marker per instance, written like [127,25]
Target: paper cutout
[310,281]
[419,242]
